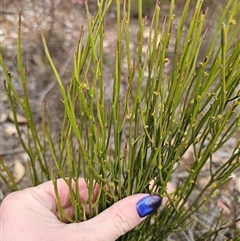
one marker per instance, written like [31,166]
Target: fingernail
[148,204]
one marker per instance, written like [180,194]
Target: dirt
[61,22]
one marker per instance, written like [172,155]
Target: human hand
[31,215]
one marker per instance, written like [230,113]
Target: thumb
[122,216]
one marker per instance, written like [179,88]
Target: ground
[61,22]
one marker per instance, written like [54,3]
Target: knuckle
[122,221]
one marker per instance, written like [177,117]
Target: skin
[31,214]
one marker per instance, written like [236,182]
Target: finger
[49,199]
[118,219]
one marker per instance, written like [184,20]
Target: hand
[31,215]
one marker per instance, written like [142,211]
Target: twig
[11,152]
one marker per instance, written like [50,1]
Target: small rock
[9,129]
[3,117]
[18,171]
[20,118]
[226,210]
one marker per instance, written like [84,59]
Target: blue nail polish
[148,204]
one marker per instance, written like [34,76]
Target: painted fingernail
[148,204]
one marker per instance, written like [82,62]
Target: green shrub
[163,113]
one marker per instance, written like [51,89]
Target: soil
[61,22]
